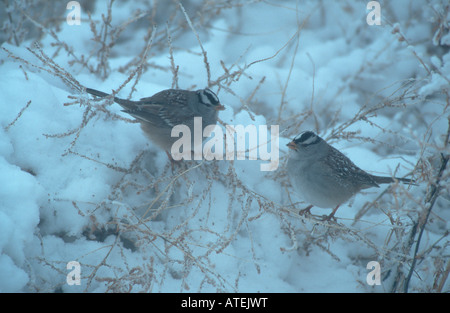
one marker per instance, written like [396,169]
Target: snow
[106,197]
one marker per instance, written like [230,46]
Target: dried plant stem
[431,199]
[174,68]
[205,57]
[7,127]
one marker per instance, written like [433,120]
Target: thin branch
[205,57]
[431,199]
[174,68]
[18,116]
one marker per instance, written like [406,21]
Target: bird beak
[292,145]
[220,107]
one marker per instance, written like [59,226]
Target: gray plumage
[325,177]
[159,113]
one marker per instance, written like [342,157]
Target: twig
[283,94]
[56,69]
[205,57]
[139,68]
[172,61]
[439,286]
[297,36]
[18,116]
[431,198]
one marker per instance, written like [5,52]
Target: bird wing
[160,115]
[166,108]
[349,172]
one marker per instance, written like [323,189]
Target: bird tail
[96,92]
[388,180]
[126,104]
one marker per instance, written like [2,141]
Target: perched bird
[159,113]
[325,177]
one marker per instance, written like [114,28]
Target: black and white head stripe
[307,138]
[207,97]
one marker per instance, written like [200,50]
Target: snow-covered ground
[80,182]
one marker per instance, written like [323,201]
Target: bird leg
[172,161]
[331,216]
[169,156]
[306,211]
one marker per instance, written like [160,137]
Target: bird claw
[331,217]
[306,211]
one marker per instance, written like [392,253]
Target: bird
[164,110]
[324,176]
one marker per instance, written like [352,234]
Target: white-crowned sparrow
[159,113]
[325,177]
